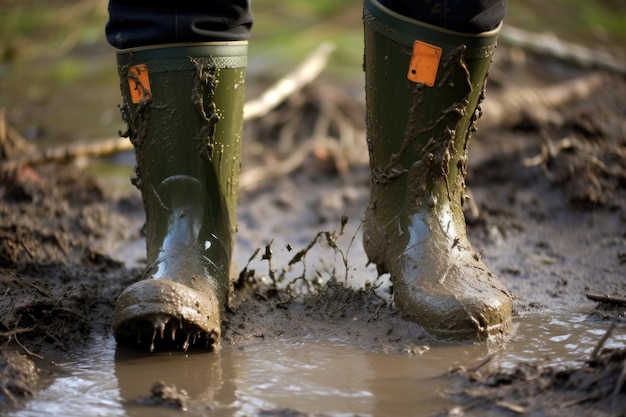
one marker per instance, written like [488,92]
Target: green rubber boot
[183,105]
[424,85]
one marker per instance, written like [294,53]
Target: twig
[607,299]
[618,385]
[291,83]
[63,364]
[482,363]
[248,179]
[375,315]
[12,333]
[66,153]
[552,46]
[549,151]
[601,342]
[580,400]
[517,409]
[36,287]
[25,348]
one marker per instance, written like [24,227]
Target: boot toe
[159,314]
[464,317]
[461,300]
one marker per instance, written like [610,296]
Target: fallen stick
[291,83]
[601,342]
[569,52]
[67,153]
[251,177]
[607,299]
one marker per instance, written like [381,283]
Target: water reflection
[86,387]
[561,339]
[333,377]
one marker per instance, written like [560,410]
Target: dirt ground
[548,187]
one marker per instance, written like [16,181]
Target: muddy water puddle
[333,377]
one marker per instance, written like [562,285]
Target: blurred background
[58,81]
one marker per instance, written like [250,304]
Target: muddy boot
[423,89]
[183,105]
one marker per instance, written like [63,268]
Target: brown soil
[549,217]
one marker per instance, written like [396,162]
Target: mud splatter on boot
[418,133]
[184,108]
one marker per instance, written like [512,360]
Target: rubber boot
[424,85]
[183,105]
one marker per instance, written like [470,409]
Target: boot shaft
[183,105]
[423,89]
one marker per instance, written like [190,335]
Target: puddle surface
[334,377]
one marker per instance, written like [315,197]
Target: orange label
[139,83]
[424,63]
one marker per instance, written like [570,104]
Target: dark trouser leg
[467,16]
[134,23]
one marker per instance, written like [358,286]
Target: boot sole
[163,315]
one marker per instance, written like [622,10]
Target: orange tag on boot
[424,63]
[139,83]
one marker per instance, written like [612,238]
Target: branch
[290,84]
[67,153]
[607,299]
[569,52]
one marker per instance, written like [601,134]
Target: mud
[593,388]
[548,213]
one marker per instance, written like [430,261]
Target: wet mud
[547,214]
[592,388]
